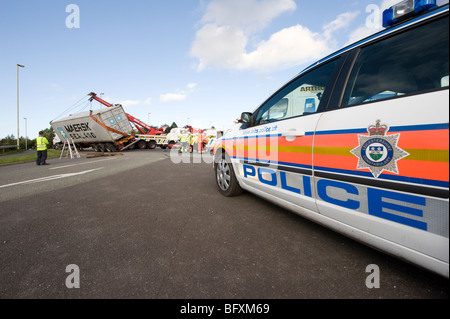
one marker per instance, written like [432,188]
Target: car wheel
[225,177]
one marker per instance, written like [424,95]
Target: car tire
[225,177]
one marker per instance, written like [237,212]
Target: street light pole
[26,134]
[18,134]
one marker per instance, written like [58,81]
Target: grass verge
[27,158]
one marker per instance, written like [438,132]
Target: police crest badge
[379,152]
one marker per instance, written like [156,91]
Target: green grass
[26,158]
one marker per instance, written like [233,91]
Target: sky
[196,62]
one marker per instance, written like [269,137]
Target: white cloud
[285,48]
[127,102]
[171,97]
[130,102]
[179,95]
[228,25]
[220,46]
[342,21]
[56,86]
[225,47]
[249,15]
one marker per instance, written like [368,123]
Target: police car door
[381,159]
[277,148]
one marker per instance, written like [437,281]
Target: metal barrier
[4,147]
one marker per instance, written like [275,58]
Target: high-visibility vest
[41,143]
[183,138]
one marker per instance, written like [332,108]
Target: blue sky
[201,62]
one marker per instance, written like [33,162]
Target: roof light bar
[404,10]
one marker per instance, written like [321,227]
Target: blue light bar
[405,9]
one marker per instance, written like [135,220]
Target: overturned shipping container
[104,130]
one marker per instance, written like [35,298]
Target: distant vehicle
[174,135]
[57,144]
[359,141]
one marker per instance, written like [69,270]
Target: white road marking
[50,178]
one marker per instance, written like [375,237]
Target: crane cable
[73,107]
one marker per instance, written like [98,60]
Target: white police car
[359,141]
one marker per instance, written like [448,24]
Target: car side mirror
[246,118]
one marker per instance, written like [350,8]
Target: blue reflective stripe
[253,136]
[392,129]
[254,160]
[429,127]
[397,178]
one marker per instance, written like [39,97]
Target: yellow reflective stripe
[274,148]
[342,151]
[427,155]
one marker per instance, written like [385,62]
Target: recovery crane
[138,123]
[149,137]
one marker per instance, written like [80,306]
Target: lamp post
[18,134]
[26,135]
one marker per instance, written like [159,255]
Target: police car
[359,141]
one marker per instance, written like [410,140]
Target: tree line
[26,142]
[49,134]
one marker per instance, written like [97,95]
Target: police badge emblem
[379,152]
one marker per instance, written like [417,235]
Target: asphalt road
[141,226]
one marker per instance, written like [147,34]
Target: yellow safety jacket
[183,138]
[41,143]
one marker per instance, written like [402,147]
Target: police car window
[410,62]
[276,112]
[300,97]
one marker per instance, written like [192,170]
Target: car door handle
[293,132]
